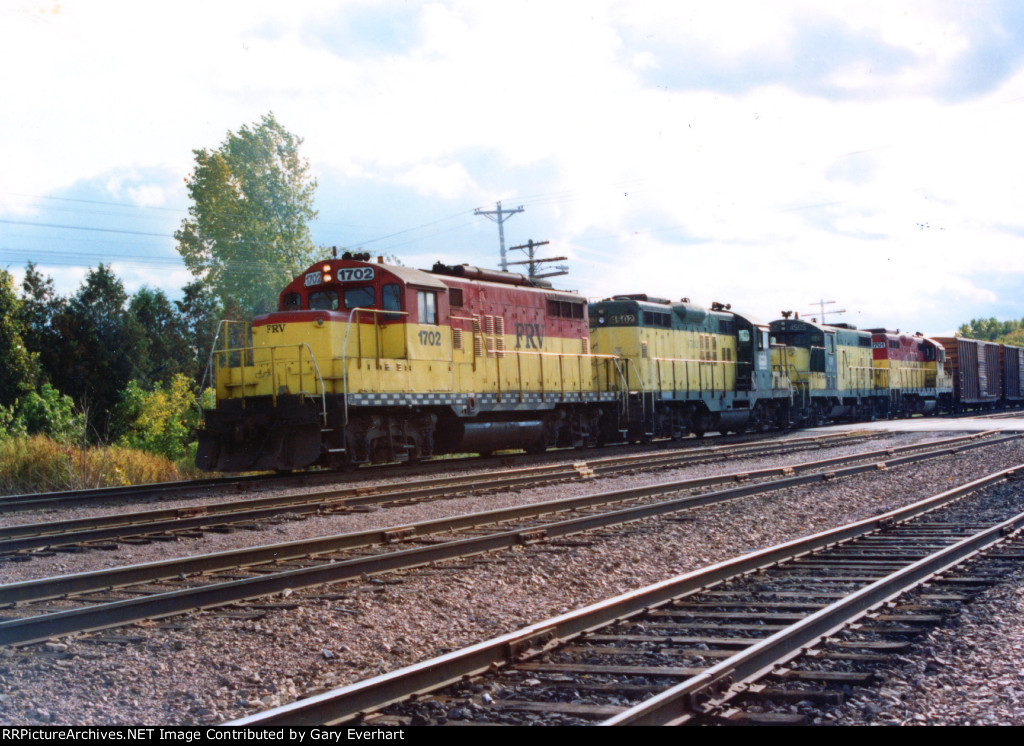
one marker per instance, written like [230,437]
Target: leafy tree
[246,234]
[201,313]
[18,366]
[993,330]
[40,305]
[167,347]
[101,346]
[161,421]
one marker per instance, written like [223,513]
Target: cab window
[391,300]
[359,297]
[323,300]
[426,304]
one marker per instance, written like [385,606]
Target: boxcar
[976,371]
[1012,365]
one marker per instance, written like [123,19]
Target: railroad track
[228,485]
[40,609]
[232,484]
[251,513]
[720,644]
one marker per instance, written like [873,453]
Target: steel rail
[723,681]
[46,500]
[26,536]
[43,626]
[355,701]
[54,587]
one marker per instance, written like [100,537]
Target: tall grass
[39,464]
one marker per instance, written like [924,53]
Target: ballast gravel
[223,664]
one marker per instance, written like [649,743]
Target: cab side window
[426,304]
[391,300]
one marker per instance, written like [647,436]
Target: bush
[161,421]
[49,412]
[12,425]
[41,464]
[43,412]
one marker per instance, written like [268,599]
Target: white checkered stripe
[485,401]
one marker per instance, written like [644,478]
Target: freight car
[687,369]
[1011,361]
[369,362]
[976,371]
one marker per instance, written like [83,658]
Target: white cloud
[597,107]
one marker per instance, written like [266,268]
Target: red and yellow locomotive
[369,362]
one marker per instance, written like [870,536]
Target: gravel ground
[969,671]
[214,667]
[325,525]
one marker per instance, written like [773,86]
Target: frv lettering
[532,333]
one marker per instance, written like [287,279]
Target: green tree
[168,349]
[18,366]
[201,313]
[40,306]
[246,234]
[101,346]
[51,413]
[992,330]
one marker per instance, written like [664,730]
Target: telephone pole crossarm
[499,216]
[530,247]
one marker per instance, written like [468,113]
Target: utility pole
[529,247]
[822,304]
[499,216]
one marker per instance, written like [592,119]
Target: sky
[862,157]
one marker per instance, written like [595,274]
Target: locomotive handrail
[695,360]
[353,313]
[273,367]
[208,373]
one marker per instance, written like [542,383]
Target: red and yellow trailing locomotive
[369,362]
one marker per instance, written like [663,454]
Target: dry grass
[39,464]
